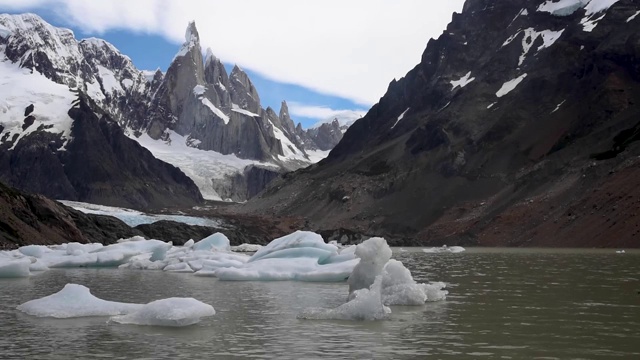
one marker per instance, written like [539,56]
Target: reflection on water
[503,303]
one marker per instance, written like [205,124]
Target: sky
[321,56]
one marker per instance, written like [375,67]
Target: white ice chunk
[246,248]
[374,254]
[217,241]
[365,305]
[299,256]
[399,287]
[33,250]
[167,312]
[444,249]
[14,268]
[75,301]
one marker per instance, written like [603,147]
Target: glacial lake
[502,304]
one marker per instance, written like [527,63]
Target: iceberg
[15,268]
[302,256]
[167,312]
[77,301]
[376,282]
[246,248]
[217,241]
[444,249]
[374,254]
[74,301]
[365,305]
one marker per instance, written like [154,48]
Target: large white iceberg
[167,312]
[75,301]
[374,254]
[301,255]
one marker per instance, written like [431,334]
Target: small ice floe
[444,249]
[246,248]
[376,283]
[10,268]
[167,312]
[77,301]
[620,251]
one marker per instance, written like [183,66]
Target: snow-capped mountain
[193,114]
[517,127]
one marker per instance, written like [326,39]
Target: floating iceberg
[365,305]
[167,312]
[301,255]
[75,301]
[14,268]
[374,254]
[444,249]
[375,283]
[246,248]
[217,241]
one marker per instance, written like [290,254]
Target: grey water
[503,304]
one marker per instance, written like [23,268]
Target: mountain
[516,128]
[206,122]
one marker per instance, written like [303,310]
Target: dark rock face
[100,165]
[34,219]
[490,120]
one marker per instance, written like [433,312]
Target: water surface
[503,303]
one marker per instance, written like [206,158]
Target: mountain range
[206,122]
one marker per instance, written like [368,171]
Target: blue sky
[321,56]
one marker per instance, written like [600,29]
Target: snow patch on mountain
[238,109]
[462,82]
[289,150]
[404,112]
[633,16]
[20,88]
[508,86]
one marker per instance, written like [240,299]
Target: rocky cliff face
[195,103]
[516,117]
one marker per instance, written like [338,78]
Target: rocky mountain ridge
[195,102]
[516,121]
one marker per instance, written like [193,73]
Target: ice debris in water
[365,305]
[10,268]
[444,249]
[246,248]
[217,241]
[167,312]
[77,301]
[377,282]
[301,255]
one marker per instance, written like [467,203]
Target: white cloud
[349,48]
[318,112]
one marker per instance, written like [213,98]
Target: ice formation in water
[365,305]
[77,301]
[10,268]
[167,312]
[444,249]
[301,255]
[376,282]
[374,254]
